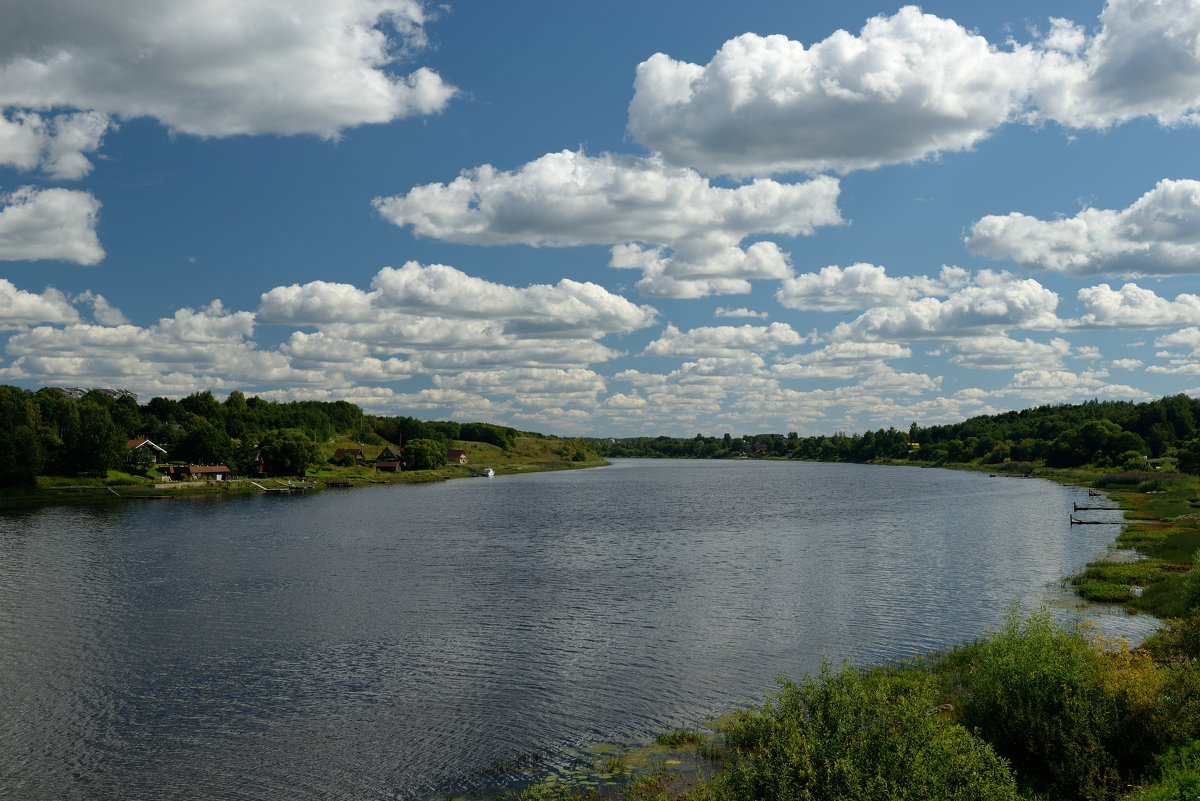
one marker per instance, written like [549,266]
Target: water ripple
[405,642]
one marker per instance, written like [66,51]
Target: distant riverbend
[409,641]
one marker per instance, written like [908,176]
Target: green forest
[1104,434]
[48,433]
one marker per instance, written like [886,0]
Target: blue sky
[605,219]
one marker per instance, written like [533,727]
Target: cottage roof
[207,469]
[139,442]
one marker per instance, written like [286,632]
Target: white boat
[488,472]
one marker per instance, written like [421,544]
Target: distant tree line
[1110,434]
[44,432]
[400,430]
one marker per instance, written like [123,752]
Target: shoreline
[672,763]
[67,491]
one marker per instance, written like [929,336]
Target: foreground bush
[849,735]
[1076,716]
[1178,775]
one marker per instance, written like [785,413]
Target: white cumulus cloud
[55,144]
[912,86]
[1158,235]
[215,68]
[49,224]
[861,286]
[906,87]
[722,340]
[20,308]
[1131,306]
[684,233]
[991,304]
[1144,61]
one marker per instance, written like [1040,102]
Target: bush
[847,734]
[1178,775]
[1076,715]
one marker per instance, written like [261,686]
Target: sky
[605,219]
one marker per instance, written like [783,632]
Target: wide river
[403,641]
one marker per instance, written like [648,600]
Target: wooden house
[357,453]
[142,451]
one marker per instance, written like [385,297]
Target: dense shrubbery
[1077,717]
[849,734]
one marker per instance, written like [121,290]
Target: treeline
[48,433]
[407,429]
[1117,434]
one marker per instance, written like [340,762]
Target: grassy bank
[1037,709]
[525,455]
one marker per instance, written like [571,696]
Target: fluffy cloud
[104,312]
[1062,386]
[724,311]
[724,340]
[1186,339]
[193,348]
[861,286]
[49,224]
[415,302]
[1143,62]
[1004,353]
[214,68]
[911,86]
[1126,364]
[568,199]
[1158,235]
[445,321]
[840,360]
[530,387]
[19,308]
[991,304]
[55,144]
[1134,307]
[906,87]
[537,310]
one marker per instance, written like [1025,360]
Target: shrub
[1076,715]
[1032,693]
[680,738]
[846,734]
[1178,775]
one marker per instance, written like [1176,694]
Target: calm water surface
[399,642]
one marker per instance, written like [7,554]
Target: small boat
[488,472]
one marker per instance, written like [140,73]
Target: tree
[424,454]
[287,452]
[204,443]
[21,453]
[99,445]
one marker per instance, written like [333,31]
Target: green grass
[680,738]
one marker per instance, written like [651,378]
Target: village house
[357,453]
[197,472]
[141,452]
[390,459]
[456,457]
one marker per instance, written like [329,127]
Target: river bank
[527,455]
[1149,569]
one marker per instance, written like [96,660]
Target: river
[403,641]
